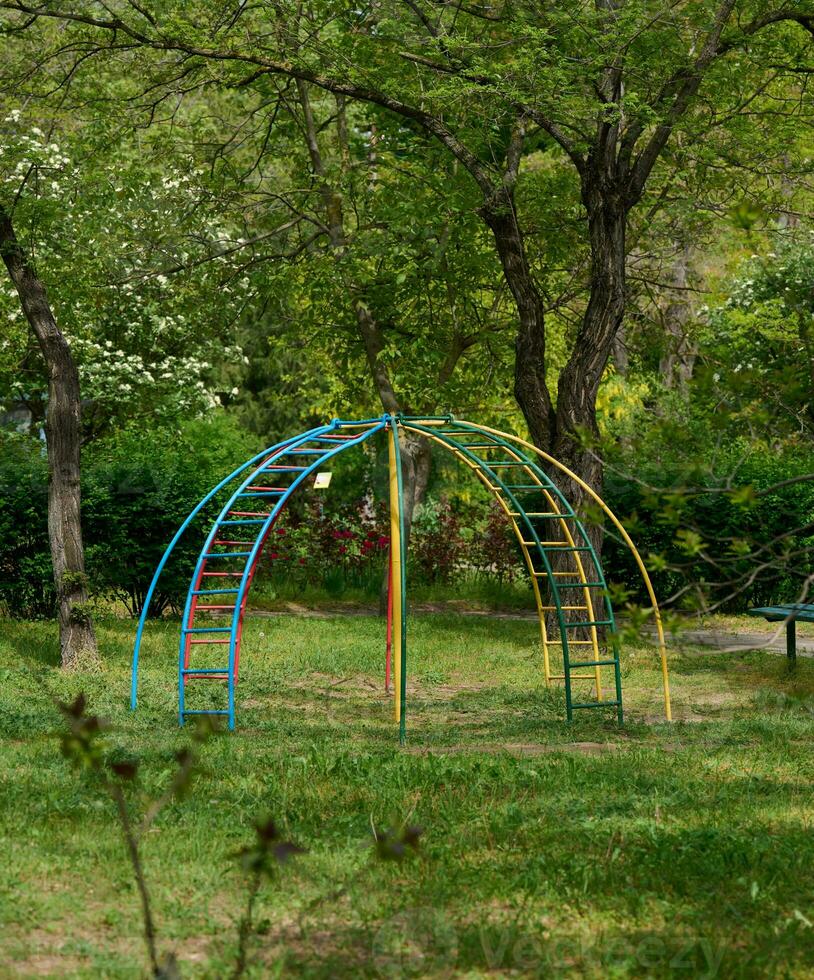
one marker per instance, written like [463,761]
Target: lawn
[585,850]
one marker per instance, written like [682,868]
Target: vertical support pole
[181,692]
[617,673]
[389,648]
[791,641]
[399,591]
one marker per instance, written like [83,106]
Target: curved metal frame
[561,512]
[445,431]
[169,550]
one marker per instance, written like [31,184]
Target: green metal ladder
[548,529]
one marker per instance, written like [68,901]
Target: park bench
[790,613]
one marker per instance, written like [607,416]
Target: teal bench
[791,614]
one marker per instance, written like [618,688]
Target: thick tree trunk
[576,426]
[530,388]
[63,438]
[561,432]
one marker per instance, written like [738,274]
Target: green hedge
[137,487]
[26,578]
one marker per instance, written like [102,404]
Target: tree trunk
[579,382]
[561,432]
[619,352]
[576,427]
[678,360]
[63,440]
[530,388]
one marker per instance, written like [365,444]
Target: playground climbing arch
[574,608]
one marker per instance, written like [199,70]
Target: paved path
[731,642]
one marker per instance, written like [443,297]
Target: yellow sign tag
[322,481]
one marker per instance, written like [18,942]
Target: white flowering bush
[759,343]
[137,268]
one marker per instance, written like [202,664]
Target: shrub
[725,533]
[437,546]
[26,575]
[333,547]
[137,488]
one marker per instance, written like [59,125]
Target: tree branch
[677,93]
[432,124]
[679,90]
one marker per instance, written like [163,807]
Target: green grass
[657,850]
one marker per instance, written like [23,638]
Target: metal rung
[559,546]
[210,642]
[305,452]
[540,513]
[207,629]
[554,608]
[275,489]
[205,670]
[285,469]
[215,591]
[262,493]
[596,704]
[248,513]
[227,554]
[210,608]
[571,585]
[224,523]
[573,677]
[562,545]
[219,541]
[593,663]
[222,574]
